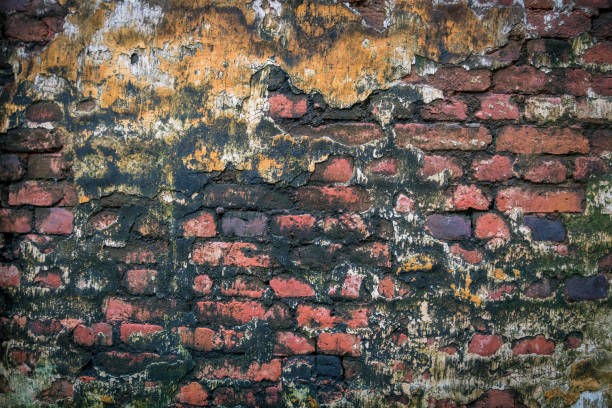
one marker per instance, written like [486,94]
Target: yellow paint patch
[464,293]
[203,160]
[416,263]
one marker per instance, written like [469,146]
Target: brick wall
[213,228]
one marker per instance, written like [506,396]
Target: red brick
[441,137]
[351,134]
[54,221]
[602,84]
[522,79]
[497,107]
[473,257]
[240,312]
[602,141]
[218,369]
[291,287]
[573,342]
[16,221]
[205,339]
[533,140]
[51,280]
[491,225]
[601,53]
[39,193]
[449,109]
[499,293]
[300,227]
[130,329]
[434,165]
[141,281]
[102,221]
[202,284]
[140,252]
[585,166]
[45,327]
[457,79]
[485,344]
[202,226]
[26,140]
[230,254]
[351,286]
[555,24]
[333,198]
[11,168]
[287,106]
[465,197]
[241,286]
[577,82]
[44,112]
[142,309]
[317,317]
[193,394]
[547,171]
[539,4]
[83,335]
[334,170]
[496,168]
[289,344]
[540,201]
[383,167]
[374,254]
[21,27]
[49,166]
[537,345]
[99,333]
[404,204]
[9,275]
[390,289]
[347,227]
[339,344]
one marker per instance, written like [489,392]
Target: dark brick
[48,166]
[31,140]
[11,168]
[44,112]
[451,227]
[21,27]
[543,229]
[589,288]
[328,366]
[239,196]
[244,224]
[540,289]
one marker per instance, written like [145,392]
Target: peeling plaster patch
[591,399]
[49,85]
[135,14]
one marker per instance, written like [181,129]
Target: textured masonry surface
[375,203]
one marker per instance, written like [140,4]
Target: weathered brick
[555,24]
[121,363]
[102,221]
[241,254]
[193,394]
[498,399]
[99,333]
[339,344]
[538,200]
[465,197]
[541,289]
[374,254]
[49,166]
[230,397]
[332,198]
[31,140]
[298,227]
[317,317]
[383,167]
[496,168]
[351,286]
[9,276]
[579,288]
[577,82]
[345,227]
[202,225]
[473,257]
[291,287]
[521,79]
[244,224]
[21,27]
[205,339]
[60,389]
[240,312]
[334,170]
[600,53]
[44,112]
[441,137]
[461,80]
[16,221]
[39,193]
[544,109]
[243,197]
[533,140]
[351,134]
[135,329]
[586,166]
[202,284]
[536,345]
[497,107]
[319,256]
[11,168]
[596,110]
[543,229]
[491,225]
[287,106]
[451,227]
[141,281]
[139,252]
[289,344]
[547,171]
[404,204]
[449,109]
[243,286]
[221,368]
[485,344]
[51,280]
[54,220]
[142,309]
[434,165]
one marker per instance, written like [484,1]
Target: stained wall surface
[306,203]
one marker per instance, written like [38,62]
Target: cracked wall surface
[370,203]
